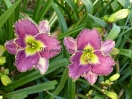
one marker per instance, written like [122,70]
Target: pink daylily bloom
[32,45]
[44,27]
[91,57]
[107,46]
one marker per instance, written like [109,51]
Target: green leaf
[53,95]
[72,5]
[122,2]
[25,5]
[22,95]
[89,6]
[98,20]
[89,10]
[64,9]
[44,10]
[8,3]
[4,17]
[71,88]
[36,74]
[37,9]
[126,52]
[113,33]
[33,89]
[62,83]
[114,5]
[61,19]
[72,31]
[3,36]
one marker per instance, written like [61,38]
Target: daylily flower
[32,45]
[90,57]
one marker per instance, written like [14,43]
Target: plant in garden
[121,14]
[32,45]
[2,58]
[3,72]
[89,29]
[90,55]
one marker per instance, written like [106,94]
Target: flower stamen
[88,56]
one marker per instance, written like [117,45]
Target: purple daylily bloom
[91,55]
[32,45]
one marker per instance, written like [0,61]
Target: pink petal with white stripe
[91,77]
[11,46]
[42,65]
[44,27]
[107,46]
[71,44]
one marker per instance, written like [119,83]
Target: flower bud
[107,82]
[105,18]
[112,19]
[2,50]
[114,77]
[1,97]
[2,60]
[90,92]
[114,51]
[6,71]
[110,94]
[5,80]
[121,14]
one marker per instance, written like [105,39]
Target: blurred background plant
[67,18]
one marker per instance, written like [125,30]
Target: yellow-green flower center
[88,56]
[33,46]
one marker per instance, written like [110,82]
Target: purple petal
[70,44]
[22,28]
[44,27]
[104,67]
[52,45]
[11,46]
[107,46]
[42,65]
[24,62]
[76,69]
[89,37]
[91,77]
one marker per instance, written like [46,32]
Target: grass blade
[5,16]
[61,19]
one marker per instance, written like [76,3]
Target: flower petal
[107,46]
[42,65]
[70,44]
[89,37]
[91,77]
[104,66]
[76,69]
[44,27]
[11,46]
[24,62]
[22,28]
[52,45]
